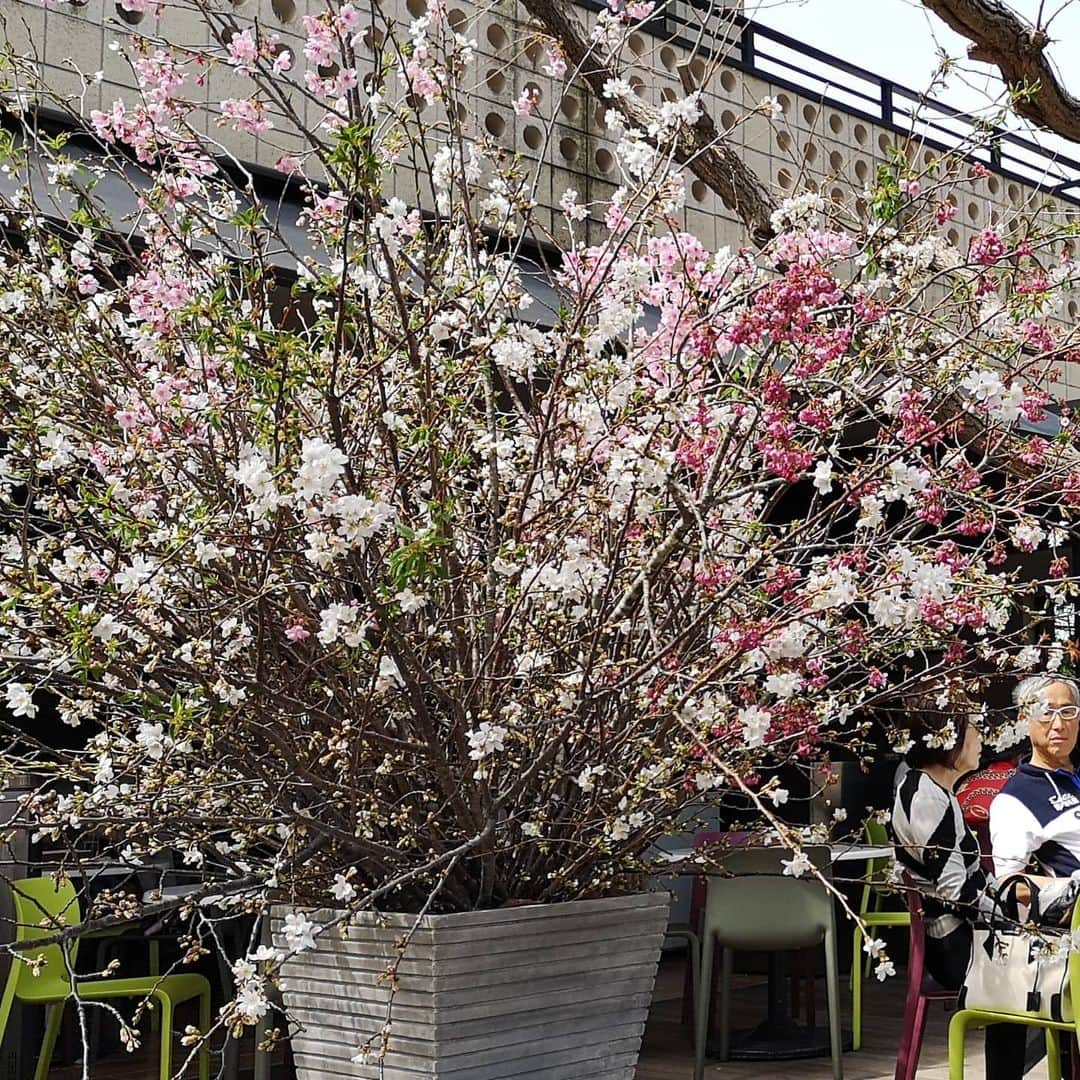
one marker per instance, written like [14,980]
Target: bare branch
[1001,37]
[701,148]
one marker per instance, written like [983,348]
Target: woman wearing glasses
[1035,819]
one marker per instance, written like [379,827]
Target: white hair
[1033,689]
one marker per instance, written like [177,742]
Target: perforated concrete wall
[809,145]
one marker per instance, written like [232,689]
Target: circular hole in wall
[458,20]
[496,81]
[973,211]
[861,134]
[697,70]
[495,124]
[568,148]
[496,36]
[783,140]
[636,44]
[929,157]
[570,107]
[727,119]
[836,161]
[783,178]
[836,123]
[953,237]
[668,57]
[605,161]
[862,170]
[884,142]
[837,196]
[534,50]
[373,38]
[728,81]
[132,18]
[784,102]
[535,91]
[637,85]
[284,10]
[415,8]
[533,137]
[699,190]
[1073,310]
[810,151]
[994,184]
[1014,193]
[809,113]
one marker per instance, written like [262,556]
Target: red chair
[921,989]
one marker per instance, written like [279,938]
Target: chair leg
[1053,1054]
[918,1030]
[907,1055]
[702,1004]
[856,993]
[727,967]
[166,1036]
[957,1031]
[688,998]
[204,1027]
[832,991]
[867,958]
[693,946]
[54,1017]
[154,949]
[856,956]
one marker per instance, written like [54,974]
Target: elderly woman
[1035,818]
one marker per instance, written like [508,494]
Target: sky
[900,40]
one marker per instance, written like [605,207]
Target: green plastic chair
[875,890]
[42,907]
[964,1019]
[760,910]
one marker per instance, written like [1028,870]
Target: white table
[852,852]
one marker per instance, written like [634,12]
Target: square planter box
[543,992]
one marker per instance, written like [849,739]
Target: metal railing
[790,64]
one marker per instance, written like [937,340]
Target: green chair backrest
[878,871]
[42,908]
[761,908]
[1074,959]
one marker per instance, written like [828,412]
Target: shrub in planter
[373,585]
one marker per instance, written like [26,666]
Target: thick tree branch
[702,148]
[1001,37]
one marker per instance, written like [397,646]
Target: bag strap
[1009,904]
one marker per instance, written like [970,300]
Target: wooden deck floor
[667,1055]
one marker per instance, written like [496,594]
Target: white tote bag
[1019,969]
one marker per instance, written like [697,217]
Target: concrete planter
[544,992]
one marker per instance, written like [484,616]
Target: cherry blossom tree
[367,580]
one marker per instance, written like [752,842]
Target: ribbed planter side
[545,992]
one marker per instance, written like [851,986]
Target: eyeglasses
[1062,712]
